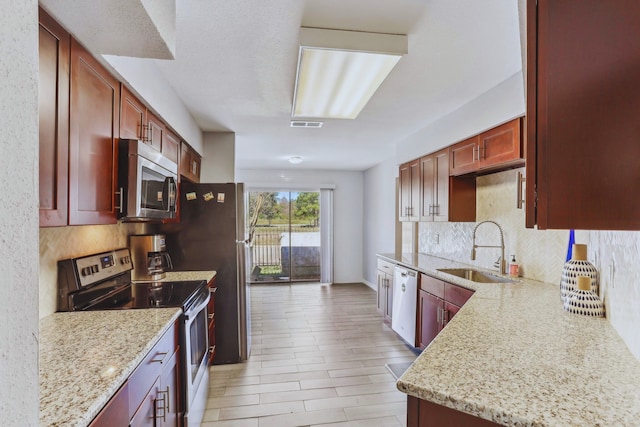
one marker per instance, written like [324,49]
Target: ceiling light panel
[339,71]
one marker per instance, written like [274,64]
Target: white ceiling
[235,60]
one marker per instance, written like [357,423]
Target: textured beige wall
[19,211]
[58,243]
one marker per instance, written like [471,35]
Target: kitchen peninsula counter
[86,356]
[512,355]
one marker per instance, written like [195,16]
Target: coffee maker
[149,256]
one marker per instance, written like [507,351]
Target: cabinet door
[167,396]
[501,145]
[441,186]
[428,188]
[449,311]
[145,416]
[409,191]
[430,312]
[170,145]
[116,411]
[132,116]
[463,157]
[155,131]
[53,112]
[381,297]
[583,99]
[388,311]
[94,123]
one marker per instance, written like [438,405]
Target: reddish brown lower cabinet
[421,413]
[93,129]
[438,302]
[116,412]
[151,396]
[211,312]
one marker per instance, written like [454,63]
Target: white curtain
[326,235]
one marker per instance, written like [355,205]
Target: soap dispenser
[514,268]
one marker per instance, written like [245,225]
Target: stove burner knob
[94,268]
[85,271]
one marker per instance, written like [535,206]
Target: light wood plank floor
[318,359]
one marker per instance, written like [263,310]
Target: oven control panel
[96,268]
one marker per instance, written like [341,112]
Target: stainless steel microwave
[146,181]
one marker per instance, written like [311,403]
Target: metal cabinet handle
[445,317]
[160,353]
[403,287]
[164,401]
[120,195]
[439,316]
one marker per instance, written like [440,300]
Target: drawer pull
[160,353]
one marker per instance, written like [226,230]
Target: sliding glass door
[284,227]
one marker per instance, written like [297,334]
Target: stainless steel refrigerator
[211,236]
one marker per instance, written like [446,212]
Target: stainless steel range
[103,282]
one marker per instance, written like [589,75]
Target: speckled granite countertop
[514,356]
[174,276]
[189,275]
[86,356]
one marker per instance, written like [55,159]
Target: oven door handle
[198,308]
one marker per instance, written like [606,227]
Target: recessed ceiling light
[295,160]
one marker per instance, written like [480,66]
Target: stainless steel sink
[475,275]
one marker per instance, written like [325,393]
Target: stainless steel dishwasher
[405,298]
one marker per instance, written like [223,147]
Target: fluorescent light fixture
[295,160]
[339,71]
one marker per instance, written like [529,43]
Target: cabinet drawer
[433,286]
[385,266]
[456,294]
[142,379]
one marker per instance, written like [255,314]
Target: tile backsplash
[542,253]
[58,243]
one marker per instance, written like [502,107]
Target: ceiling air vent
[304,124]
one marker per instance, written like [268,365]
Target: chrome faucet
[499,264]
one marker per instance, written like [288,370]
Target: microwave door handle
[170,188]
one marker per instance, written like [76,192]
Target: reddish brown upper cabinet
[438,302]
[445,198]
[170,145]
[53,112]
[94,126]
[496,149]
[155,131]
[409,203]
[133,115]
[190,162]
[463,157]
[583,99]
